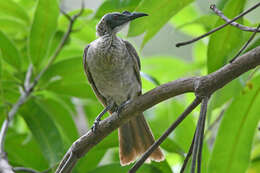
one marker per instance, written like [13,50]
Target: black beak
[135,15]
[120,19]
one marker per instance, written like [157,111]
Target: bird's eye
[115,17]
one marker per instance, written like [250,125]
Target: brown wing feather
[90,79]
[137,64]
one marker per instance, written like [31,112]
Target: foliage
[46,125]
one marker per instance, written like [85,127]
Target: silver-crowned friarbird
[112,67]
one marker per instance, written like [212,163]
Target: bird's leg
[100,115]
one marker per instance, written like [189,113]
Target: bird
[112,67]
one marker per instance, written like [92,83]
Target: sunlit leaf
[236,131]
[11,8]
[44,130]
[42,30]
[184,21]
[116,5]
[159,13]
[225,43]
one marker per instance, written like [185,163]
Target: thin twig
[204,106]
[23,169]
[242,27]
[198,141]
[244,47]
[186,160]
[13,111]
[218,28]
[189,109]
[28,77]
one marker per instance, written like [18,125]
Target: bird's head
[111,23]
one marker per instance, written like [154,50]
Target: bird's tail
[135,137]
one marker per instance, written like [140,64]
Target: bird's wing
[90,79]
[137,64]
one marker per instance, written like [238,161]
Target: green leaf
[55,42]
[12,26]
[67,77]
[224,44]
[159,13]
[11,8]
[91,160]
[44,130]
[253,45]
[184,21]
[42,30]
[116,5]
[9,51]
[61,113]
[171,146]
[161,167]
[156,66]
[226,93]
[26,153]
[236,132]
[115,168]
[69,71]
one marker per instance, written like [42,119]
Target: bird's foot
[98,119]
[120,107]
[95,125]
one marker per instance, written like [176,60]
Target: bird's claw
[95,125]
[120,107]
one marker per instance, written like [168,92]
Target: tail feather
[135,137]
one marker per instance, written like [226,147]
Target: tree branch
[202,86]
[242,27]
[218,28]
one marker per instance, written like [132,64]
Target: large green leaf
[42,30]
[9,51]
[225,43]
[116,5]
[231,152]
[26,153]
[44,130]
[11,8]
[62,115]
[67,77]
[159,13]
[69,71]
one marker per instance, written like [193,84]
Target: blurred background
[63,107]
